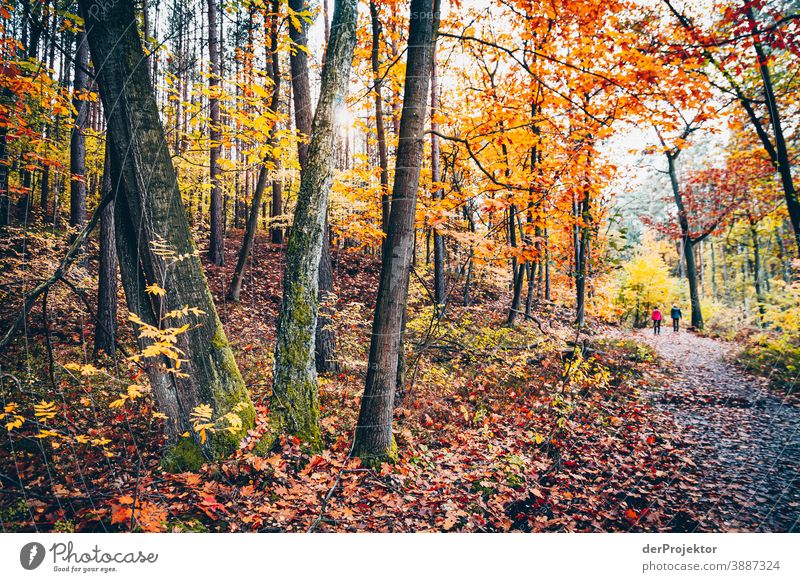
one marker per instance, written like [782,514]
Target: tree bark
[383,159]
[581,274]
[294,406]
[688,246]
[5,199]
[154,245]
[373,438]
[325,335]
[781,154]
[757,268]
[217,234]
[251,228]
[439,284]
[106,324]
[77,143]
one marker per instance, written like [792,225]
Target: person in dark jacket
[676,317]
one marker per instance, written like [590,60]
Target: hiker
[676,317]
[656,317]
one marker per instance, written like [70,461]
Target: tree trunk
[154,245]
[757,269]
[468,280]
[517,269]
[379,124]
[77,143]
[581,274]
[687,245]
[546,266]
[5,200]
[106,325]
[325,339]
[373,438]
[781,159]
[713,272]
[439,285]
[294,406]
[251,228]
[217,236]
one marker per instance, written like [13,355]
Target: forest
[384,266]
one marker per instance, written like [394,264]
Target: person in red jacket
[657,317]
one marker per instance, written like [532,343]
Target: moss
[227,395]
[374,460]
[295,401]
[188,526]
[218,340]
[185,455]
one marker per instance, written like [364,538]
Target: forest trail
[746,437]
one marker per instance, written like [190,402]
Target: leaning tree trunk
[77,143]
[325,339]
[373,438]
[106,324]
[154,245]
[294,406]
[216,249]
[780,154]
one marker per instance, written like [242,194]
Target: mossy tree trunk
[325,340]
[154,244]
[294,406]
[374,442]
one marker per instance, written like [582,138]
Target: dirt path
[746,438]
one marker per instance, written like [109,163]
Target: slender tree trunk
[77,144]
[723,256]
[217,235]
[786,270]
[294,404]
[373,438]
[687,245]
[106,324]
[581,274]
[5,200]
[713,272]
[379,123]
[517,270]
[546,266]
[154,245]
[439,283]
[251,227]
[758,277]
[468,280]
[782,158]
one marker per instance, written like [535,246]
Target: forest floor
[501,429]
[746,436]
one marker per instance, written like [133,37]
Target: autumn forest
[399,266]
